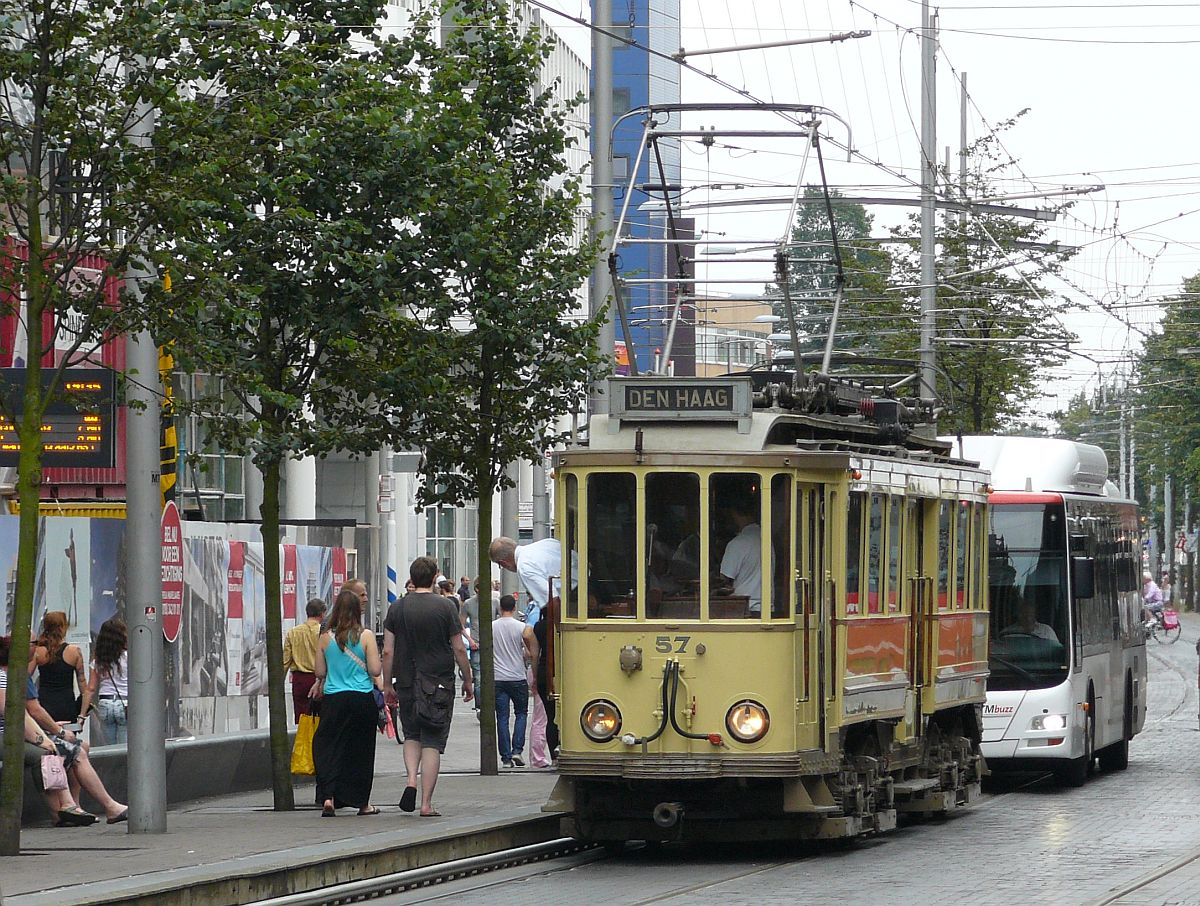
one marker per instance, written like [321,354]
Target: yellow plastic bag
[302,751]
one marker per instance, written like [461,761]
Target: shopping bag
[54,774]
[302,751]
[389,727]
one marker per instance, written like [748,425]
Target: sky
[1108,87]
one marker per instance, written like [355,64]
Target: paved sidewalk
[232,833]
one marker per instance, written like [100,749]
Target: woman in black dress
[59,667]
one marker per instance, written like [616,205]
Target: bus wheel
[1116,756]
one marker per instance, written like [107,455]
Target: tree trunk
[29,481]
[486,693]
[281,756]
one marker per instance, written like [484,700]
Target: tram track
[441,873]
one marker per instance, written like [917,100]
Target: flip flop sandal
[408,800]
[434,814]
[371,811]
[75,818]
[328,812]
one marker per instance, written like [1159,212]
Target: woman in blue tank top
[348,669]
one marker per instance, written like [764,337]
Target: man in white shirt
[535,564]
[1028,624]
[741,563]
[512,643]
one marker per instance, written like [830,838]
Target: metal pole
[147,751]
[602,187]
[928,209]
[510,525]
[541,502]
[1169,531]
[1123,456]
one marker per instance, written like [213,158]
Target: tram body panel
[715,674]
[856,655]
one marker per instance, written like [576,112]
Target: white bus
[1067,651]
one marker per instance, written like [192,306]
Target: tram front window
[673,546]
[1028,600]
[612,545]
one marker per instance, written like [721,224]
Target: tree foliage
[999,328]
[867,314]
[504,336]
[80,184]
[301,260]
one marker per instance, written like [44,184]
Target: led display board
[78,431]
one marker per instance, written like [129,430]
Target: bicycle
[1164,627]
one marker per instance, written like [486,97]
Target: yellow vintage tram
[773,619]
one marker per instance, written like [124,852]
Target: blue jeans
[112,721]
[518,693]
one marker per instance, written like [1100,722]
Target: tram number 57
[665,644]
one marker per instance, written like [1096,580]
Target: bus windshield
[1027,584]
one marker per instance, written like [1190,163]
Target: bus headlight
[747,721]
[1048,722]
[601,720]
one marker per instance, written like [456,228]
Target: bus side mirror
[1083,577]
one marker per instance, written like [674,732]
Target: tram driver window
[735,540]
[612,545]
[672,546]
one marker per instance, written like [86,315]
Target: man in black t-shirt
[422,634]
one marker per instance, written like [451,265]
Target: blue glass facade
[641,78]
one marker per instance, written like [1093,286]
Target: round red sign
[172,572]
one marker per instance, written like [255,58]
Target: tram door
[920,599]
[811,613]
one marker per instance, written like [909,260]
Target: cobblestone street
[1026,842]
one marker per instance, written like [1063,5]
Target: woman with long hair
[108,684]
[349,669]
[59,667]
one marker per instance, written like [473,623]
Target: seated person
[741,564]
[1028,624]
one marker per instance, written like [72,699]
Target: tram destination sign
[701,399]
[77,432]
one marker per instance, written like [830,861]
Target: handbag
[433,701]
[302,751]
[54,774]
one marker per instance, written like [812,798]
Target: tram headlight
[747,721]
[1048,722]
[601,720]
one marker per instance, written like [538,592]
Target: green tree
[999,328]
[1167,390]
[303,255]
[868,315]
[78,179]
[505,334]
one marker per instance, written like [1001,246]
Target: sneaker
[506,762]
[518,761]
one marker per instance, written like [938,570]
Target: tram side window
[978,552]
[781,541]
[895,553]
[569,590]
[943,564]
[735,543]
[854,518]
[960,554]
[874,545]
[612,545]
[673,546]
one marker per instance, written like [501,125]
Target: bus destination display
[77,432]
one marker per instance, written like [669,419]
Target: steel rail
[398,882]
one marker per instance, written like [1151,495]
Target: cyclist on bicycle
[1152,598]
